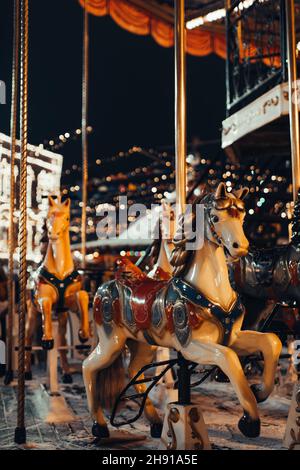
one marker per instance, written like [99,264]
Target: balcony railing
[256,50]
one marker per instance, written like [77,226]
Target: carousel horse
[196,312]
[270,277]
[56,287]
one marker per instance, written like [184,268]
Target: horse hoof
[221,377]
[47,344]
[258,392]
[100,431]
[248,426]
[67,379]
[156,430]
[28,375]
[83,339]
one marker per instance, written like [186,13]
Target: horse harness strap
[59,284]
[180,290]
[168,304]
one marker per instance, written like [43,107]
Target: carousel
[175,326]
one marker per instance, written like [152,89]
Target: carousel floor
[220,409]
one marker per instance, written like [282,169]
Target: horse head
[58,219]
[225,213]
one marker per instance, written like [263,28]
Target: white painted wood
[292,434]
[265,109]
[184,429]
[52,362]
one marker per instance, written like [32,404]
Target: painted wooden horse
[196,312]
[270,276]
[56,286]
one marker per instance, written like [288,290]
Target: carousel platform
[219,404]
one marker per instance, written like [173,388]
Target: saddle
[264,269]
[60,285]
[138,297]
[154,306]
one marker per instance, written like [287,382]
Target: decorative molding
[265,109]
[43,178]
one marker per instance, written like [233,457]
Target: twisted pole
[184,391]
[11,231]
[180,105]
[84,135]
[293,98]
[20,431]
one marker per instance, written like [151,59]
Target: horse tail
[110,382]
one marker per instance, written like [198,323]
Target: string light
[63,138]
[217,15]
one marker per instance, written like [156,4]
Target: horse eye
[215,219]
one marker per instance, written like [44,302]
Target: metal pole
[227,64]
[180,159]
[11,231]
[84,133]
[293,101]
[20,431]
[180,106]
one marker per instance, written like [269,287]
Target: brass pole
[11,231]
[20,431]
[293,101]
[84,133]
[180,106]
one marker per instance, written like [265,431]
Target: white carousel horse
[196,312]
[56,286]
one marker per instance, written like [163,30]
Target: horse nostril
[235,245]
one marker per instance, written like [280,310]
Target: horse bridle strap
[227,319]
[216,237]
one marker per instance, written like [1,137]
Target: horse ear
[164,205]
[241,193]
[221,191]
[67,203]
[51,201]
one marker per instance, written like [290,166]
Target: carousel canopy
[156,17]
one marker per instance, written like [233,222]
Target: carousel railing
[256,50]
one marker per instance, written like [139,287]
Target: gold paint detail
[173,417]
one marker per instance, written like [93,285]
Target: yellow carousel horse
[56,286]
[196,312]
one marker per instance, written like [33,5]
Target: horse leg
[62,329]
[45,304]
[82,299]
[228,361]
[142,354]
[250,342]
[100,358]
[29,332]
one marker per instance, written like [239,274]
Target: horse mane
[181,257]
[152,252]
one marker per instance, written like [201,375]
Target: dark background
[131,83]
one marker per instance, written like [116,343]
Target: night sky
[131,83]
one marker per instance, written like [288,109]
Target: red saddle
[143,292]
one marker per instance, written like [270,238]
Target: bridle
[219,204]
